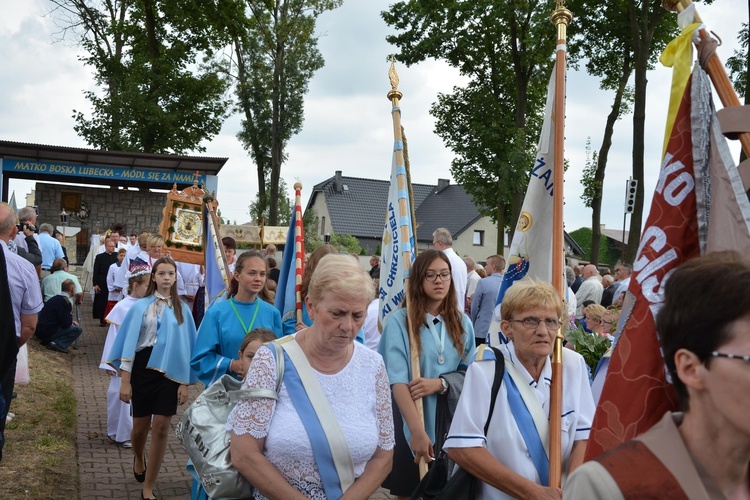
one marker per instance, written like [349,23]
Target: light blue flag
[286,287]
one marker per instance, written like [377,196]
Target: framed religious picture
[70,201]
[182,224]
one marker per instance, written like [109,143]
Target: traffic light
[630,190]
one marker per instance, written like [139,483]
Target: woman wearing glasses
[445,339]
[512,459]
[703,451]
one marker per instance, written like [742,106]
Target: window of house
[322,226]
[478,239]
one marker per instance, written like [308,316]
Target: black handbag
[461,485]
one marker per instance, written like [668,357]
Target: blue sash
[528,430]
[320,447]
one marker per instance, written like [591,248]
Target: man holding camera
[27,241]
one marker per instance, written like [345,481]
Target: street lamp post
[64,222]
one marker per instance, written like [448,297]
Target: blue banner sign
[124,175]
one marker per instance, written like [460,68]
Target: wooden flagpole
[715,70]
[299,257]
[394,95]
[560,17]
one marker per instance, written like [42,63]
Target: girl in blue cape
[152,352]
[226,323]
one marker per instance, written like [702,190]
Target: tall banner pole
[299,259]
[394,95]
[560,17]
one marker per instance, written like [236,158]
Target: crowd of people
[337,410]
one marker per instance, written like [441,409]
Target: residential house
[356,206]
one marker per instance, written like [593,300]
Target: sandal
[140,476]
[147,498]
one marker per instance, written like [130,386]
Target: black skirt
[153,393]
[404,476]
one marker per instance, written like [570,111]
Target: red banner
[636,392]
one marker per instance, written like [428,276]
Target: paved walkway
[104,469]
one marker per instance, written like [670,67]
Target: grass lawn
[39,458]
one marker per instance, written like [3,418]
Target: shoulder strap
[499,372]
[279,364]
[339,447]
[639,473]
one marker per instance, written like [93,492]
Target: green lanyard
[252,321]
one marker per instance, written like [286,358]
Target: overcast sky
[347,116]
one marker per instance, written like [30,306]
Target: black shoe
[54,347]
[140,476]
[149,498]
[14,395]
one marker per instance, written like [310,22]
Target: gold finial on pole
[394,94]
[561,17]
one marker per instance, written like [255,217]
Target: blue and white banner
[396,248]
[531,249]
[217,278]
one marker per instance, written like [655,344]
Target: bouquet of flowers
[591,346]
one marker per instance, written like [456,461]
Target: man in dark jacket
[608,282]
[99,278]
[56,328]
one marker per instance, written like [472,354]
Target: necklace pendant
[441,359]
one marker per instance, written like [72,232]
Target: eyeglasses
[444,276]
[549,323]
[717,354]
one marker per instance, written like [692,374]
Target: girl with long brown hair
[444,337]
[152,353]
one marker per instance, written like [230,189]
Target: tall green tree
[601,34]
[492,124]
[257,210]
[739,69]
[159,89]
[276,56]
[651,27]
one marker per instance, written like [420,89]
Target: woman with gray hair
[331,385]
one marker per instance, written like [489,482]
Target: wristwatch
[445,386]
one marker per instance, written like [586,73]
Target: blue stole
[318,441]
[525,423]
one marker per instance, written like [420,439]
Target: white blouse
[504,440]
[359,396]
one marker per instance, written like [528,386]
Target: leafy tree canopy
[492,124]
[159,90]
